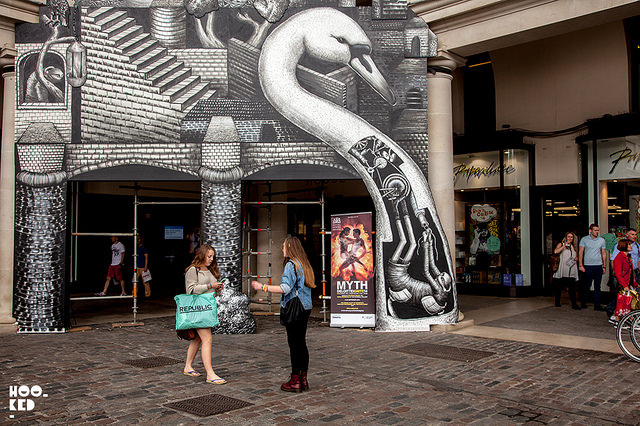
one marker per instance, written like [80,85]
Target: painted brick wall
[209,64]
[243,70]
[118,102]
[82,158]
[259,155]
[59,115]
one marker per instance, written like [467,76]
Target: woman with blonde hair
[567,273]
[297,281]
[202,277]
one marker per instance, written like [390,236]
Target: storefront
[616,198]
[492,244]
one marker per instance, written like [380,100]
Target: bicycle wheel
[628,335]
[635,332]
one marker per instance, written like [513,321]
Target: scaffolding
[250,252]
[73,264]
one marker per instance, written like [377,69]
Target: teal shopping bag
[196,311]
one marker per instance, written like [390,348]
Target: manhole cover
[450,353]
[153,361]
[208,405]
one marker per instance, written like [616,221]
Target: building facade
[220,94]
[541,84]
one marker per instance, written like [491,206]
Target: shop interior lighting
[559,202]
[569,214]
[623,211]
[614,207]
[565,208]
[515,210]
[611,198]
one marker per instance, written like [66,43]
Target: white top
[568,267]
[117,250]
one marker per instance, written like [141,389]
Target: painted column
[41,225]
[440,122]
[7,197]
[221,220]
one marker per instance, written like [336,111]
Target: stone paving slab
[356,376]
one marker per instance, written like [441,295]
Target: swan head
[332,36]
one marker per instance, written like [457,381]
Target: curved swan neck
[331,123]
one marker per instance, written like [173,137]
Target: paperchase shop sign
[479,171]
[619,158]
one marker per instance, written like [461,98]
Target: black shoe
[557,305]
[576,307]
[598,308]
[584,306]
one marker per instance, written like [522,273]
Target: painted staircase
[164,72]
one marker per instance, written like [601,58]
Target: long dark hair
[199,260]
[295,252]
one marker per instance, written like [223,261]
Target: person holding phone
[567,273]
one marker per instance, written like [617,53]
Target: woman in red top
[623,268]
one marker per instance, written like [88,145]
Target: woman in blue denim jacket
[297,281]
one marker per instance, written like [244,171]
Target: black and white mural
[221,90]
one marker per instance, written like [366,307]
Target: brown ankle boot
[304,385]
[293,385]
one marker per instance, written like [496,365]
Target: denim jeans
[592,273]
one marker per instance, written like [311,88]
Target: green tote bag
[196,311]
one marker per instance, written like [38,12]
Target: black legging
[297,339]
[572,289]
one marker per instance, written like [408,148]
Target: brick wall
[118,103]
[82,158]
[209,64]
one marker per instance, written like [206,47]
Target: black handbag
[293,310]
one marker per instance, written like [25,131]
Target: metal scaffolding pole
[249,251]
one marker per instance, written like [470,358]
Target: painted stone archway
[223,91]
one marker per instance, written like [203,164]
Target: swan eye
[341,39]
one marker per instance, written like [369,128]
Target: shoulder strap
[295,272]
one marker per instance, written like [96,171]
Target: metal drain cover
[153,361]
[451,353]
[208,405]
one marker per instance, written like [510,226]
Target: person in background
[202,277]
[623,270]
[567,273]
[632,236]
[142,265]
[297,274]
[115,268]
[592,261]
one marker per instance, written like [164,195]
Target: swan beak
[364,66]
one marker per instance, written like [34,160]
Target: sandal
[191,373]
[218,381]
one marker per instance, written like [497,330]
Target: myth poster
[352,270]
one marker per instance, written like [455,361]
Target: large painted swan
[407,222]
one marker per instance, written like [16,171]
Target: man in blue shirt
[592,261]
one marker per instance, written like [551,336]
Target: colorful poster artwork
[484,233]
[352,271]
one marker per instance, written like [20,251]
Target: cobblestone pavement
[356,376]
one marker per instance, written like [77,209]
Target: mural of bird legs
[431,294]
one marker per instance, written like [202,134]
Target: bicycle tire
[635,332]
[633,320]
